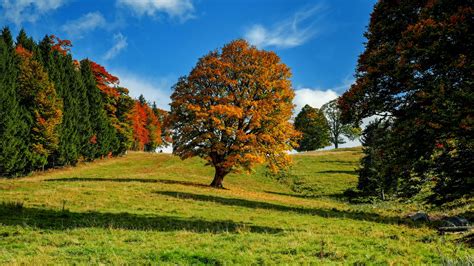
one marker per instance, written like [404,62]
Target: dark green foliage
[68,84]
[417,69]
[13,129]
[104,140]
[314,126]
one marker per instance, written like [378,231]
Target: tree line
[57,111]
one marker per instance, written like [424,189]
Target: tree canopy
[233,110]
[314,127]
[416,73]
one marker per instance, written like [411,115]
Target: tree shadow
[326,213]
[349,172]
[15,215]
[294,195]
[141,180]
[351,163]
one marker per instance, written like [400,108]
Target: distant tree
[337,128]
[141,134]
[233,110]
[416,71]
[314,127]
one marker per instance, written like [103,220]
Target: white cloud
[181,9]
[17,11]
[88,22]
[120,44]
[288,33]
[154,90]
[313,97]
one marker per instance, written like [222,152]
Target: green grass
[154,208]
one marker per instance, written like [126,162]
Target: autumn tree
[139,120]
[314,127]
[38,95]
[416,73]
[233,110]
[337,128]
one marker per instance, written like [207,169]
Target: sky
[149,44]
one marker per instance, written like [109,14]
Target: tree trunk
[335,144]
[219,177]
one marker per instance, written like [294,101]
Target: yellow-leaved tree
[234,111]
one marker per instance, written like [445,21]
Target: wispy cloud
[88,22]
[120,43]
[288,33]
[18,11]
[180,9]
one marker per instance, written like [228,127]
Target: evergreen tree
[13,129]
[62,72]
[314,126]
[103,136]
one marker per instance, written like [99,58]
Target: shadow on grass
[351,163]
[349,172]
[15,215]
[141,180]
[327,213]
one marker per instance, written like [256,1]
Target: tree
[38,96]
[314,127]
[104,139]
[68,84]
[233,110]
[13,129]
[337,128]
[416,71]
[139,120]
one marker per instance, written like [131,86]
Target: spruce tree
[103,139]
[13,129]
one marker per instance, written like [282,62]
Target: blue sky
[148,44]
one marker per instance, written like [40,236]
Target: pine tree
[62,72]
[104,137]
[13,129]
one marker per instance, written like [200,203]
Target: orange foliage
[62,46]
[106,82]
[139,122]
[22,52]
[234,110]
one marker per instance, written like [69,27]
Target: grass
[154,208]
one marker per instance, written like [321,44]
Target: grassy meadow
[154,208]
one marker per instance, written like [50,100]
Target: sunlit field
[149,208]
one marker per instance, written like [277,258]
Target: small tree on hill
[336,127]
[314,126]
[233,110]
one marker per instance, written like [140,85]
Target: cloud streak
[180,9]
[288,33]
[18,11]
[88,22]
[120,44]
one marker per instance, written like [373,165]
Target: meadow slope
[149,208]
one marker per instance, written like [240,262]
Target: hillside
[145,208]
